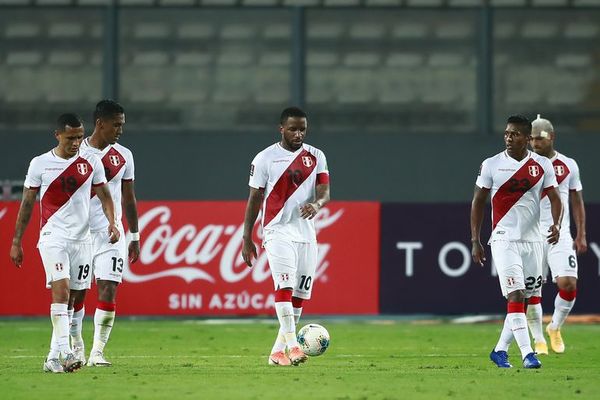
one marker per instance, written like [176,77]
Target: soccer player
[65,177]
[516,177]
[560,258]
[108,259]
[291,180]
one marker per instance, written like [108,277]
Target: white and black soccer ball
[313,339]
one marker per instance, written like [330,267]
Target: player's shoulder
[125,151]
[312,149]
[538,158]
[89,155]
[566,159]
[496,158]
[268,152]
[41,159]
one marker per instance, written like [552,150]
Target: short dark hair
[68,119]
[107,109]
[520,120]
[294,112]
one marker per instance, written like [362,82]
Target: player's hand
[113,234]
[16,255]
[133,251]
[478,253]
[248,252]
[580,245]
[554,234]
[309,210]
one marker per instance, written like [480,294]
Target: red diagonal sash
[561,171]
[514,188]
[62,188]
[112,161]
[291,179]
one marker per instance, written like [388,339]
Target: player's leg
[80,282]
[564,270]
[282,262]
[55,259]
[509,266]
[108,265]
[76,314]
[305,275]
[534,307]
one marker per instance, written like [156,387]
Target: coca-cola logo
[208,252]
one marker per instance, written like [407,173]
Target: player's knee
[518,296]
[107,291]
[567,284]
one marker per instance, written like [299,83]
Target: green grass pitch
[177,359]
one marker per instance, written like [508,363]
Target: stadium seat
[66,30]
[276,31]
[410,31]
[273,58]
[581,30]
[404,60]
[22,30]
[151,30]
[67,58]
[330,30]
[539,30]
[454,31]
[361,59]
[196,31]
[150,58]
[321,59]
[21,58]
[235,58]
[238,31]
[366,31]
[192,58]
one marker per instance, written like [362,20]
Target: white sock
[285,314]
[76,327]
[518,325]
[279,344]
[506,337]
[562,308]
[60,328]
[297,314]
[103,323]
[534,320]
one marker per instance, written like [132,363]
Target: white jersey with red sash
[289,179]
[567,176]
[118,166]
[516,188]
[65,187]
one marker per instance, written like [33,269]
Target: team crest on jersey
[510,281]
[82,168]
[114,160]
[307,161]
[284,277]
[534,170]
[58,266]
[559,169]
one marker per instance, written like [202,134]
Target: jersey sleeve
[33,179]
[549,174]
[258,173]
[484,178]
[322,169]
[575,181]
[129,174]
[98,177]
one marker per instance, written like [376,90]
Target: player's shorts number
[305,282]
[533,283]
[84,270]
[572,262]
[117,264]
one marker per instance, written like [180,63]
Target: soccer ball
[313,339]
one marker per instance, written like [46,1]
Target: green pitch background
[378,359]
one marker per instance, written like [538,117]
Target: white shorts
[560,259]
[519,266]
[108,259]
[293,265]
[70,260]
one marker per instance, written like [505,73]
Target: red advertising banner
[190,263]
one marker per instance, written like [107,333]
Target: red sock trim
[566,295]
[297,302]
[534,300]
[104,306]
[514,307]
[78,306]
[283,295]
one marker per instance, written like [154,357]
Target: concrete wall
[386,167]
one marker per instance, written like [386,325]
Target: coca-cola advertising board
[190,263]
[426,263]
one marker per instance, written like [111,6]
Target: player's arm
[556,208]
[322,197]
[576,198]
[252,208]
[131,215]
[480,196]
[109,210]
[23,217]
